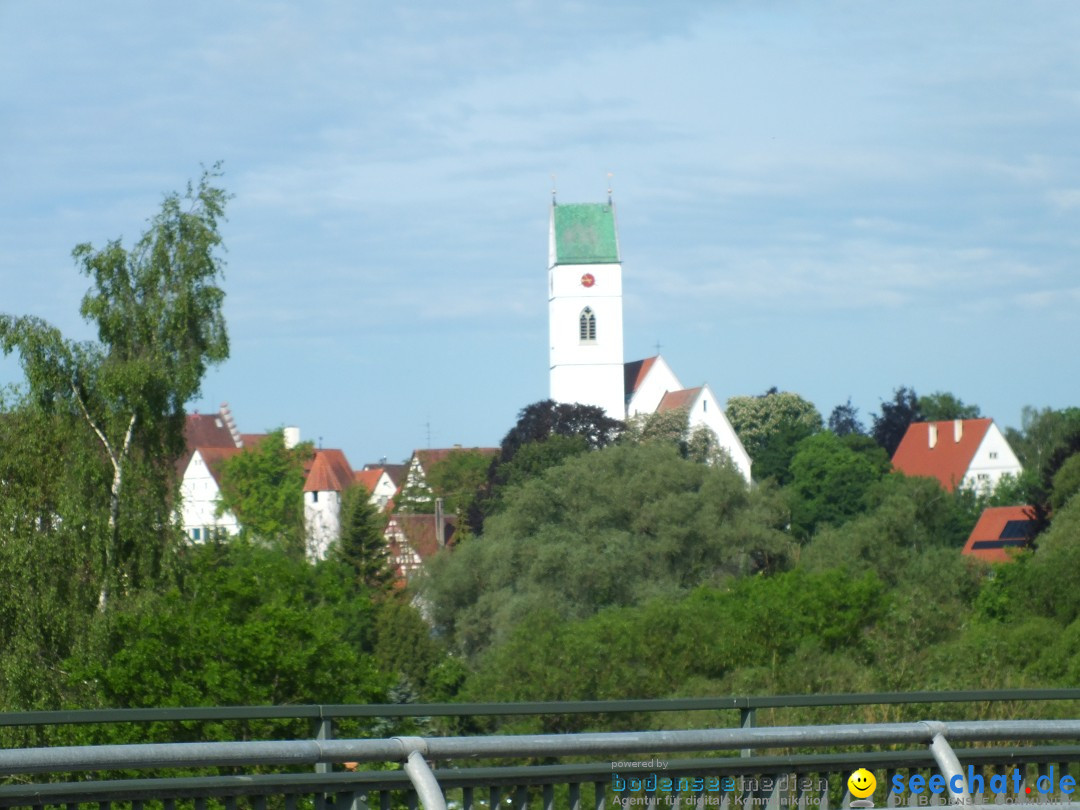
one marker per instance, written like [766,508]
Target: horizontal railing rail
[359,787]
[399,749]
[392,710]
[420,783]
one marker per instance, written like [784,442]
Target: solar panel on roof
[1015,529]
[982,544]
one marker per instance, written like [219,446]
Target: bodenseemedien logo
[861,784]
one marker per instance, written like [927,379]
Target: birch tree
[157,308]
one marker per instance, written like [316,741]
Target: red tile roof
[329,472]
[678,399]
[396,473]
[948,460]
[1000,533]
[203,430]
[634,374]
[215,457]
[206,430]
[368,479]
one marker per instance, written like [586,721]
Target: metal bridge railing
[551,787]
[327,718]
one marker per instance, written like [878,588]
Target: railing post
[946,760]
[324,731]
[747,719]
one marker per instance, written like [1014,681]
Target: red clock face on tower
[588,280]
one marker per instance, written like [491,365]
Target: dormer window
[587,326]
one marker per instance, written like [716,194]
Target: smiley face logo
[861,783]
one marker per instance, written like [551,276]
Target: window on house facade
[587,325]
[993,454]
[196,534]
[314,497]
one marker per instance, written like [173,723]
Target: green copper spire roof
[585,234]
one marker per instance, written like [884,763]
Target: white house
[199,491]
[378,482]
[960,453]
[585,326]
[213,438]
[209,438]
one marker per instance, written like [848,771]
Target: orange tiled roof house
[1001,532]
[213,438]
[959,453]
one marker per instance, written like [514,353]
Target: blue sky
[835,198]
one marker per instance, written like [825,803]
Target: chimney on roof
[931,430]
[230,425]
[957,430]
[291,436]
[440,524]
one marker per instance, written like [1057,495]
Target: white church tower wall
[585,307]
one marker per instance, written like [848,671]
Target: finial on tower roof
[553,190]
[609,176]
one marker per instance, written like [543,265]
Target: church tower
[585,318]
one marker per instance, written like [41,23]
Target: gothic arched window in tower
[588,326]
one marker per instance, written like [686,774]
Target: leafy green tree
[672,427]
[905,518]
[264,487]
[941,406]
[1041,434]
[1034,584]
[245,625]
[892,423]
[157,309]
[546,418]
[664,427]
[659,646]
[1066,483]
[457,479]
[406,648]
[1049,440]
[770,426]
[573,427]
[844,420]
[612,527]
[51,485]
[829,482]
[533,458]
[362,546]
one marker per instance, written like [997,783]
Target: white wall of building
[706,410]
[198,503]
[993,460]
[322,521]
[658,381]
[383,491]
[587,371]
